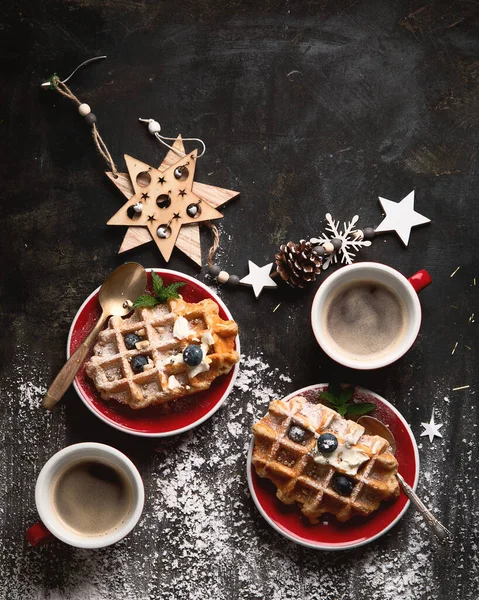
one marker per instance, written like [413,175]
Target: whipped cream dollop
[346,458]
[181,328]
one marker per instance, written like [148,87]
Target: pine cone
[297,264]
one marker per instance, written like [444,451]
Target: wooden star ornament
[166,204]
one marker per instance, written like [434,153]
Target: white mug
[406,289]
[51,525]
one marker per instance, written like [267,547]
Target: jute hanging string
[90,118]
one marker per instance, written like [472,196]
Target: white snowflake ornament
[351,240]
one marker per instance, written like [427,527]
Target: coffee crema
[92,498]
[366,319]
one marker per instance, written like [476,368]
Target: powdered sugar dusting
[201,536]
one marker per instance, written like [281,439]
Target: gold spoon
[118,291]
[374,426]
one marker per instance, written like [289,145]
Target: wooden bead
[90,118]
[84,110]
[318,250]
[336,244]
[215,270]
[154,127]
[223,277]
[233,281]
[328,247]
[368,233]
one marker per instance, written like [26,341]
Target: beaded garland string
[299,264]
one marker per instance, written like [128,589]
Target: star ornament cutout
[401,217]
[258,278]
[188,238]
[431,429]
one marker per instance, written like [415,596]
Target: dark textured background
[306,107]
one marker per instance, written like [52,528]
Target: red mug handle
[38,534]
[420,280]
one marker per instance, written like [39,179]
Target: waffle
[166,377]
[299,478]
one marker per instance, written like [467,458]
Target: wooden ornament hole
[132,213]
[163,201]
[193,211]
[143,179]
[181,173]
[163,231]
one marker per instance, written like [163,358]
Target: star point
[401,217]
[431,429]
[258,278]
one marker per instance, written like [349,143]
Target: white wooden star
[401,217]
[258,278]
[431,429]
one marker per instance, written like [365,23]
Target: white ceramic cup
[406,289]
[51,525]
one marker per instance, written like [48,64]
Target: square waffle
[300,479]
[112,373]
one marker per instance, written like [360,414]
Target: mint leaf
[331,398]
[145,301]
[161,293]
[157,283]
[172,289]
[341,400]
[335,389]
[346,395]
[362,408]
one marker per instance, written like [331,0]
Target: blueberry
[343,485]
[192,355]
[130,340]
[138,362]
[297,434]
[327,443]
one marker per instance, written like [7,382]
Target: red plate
[151,422]
[288,520]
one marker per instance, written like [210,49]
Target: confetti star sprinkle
[401,217]
[431,429]
[258,278]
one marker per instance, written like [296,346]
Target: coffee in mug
[367,315]
[88,495]
[92,498]
[365,318]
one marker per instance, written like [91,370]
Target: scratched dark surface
[305,107]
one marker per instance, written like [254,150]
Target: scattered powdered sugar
[201,537]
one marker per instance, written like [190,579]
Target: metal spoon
[373,426]
[119,289]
